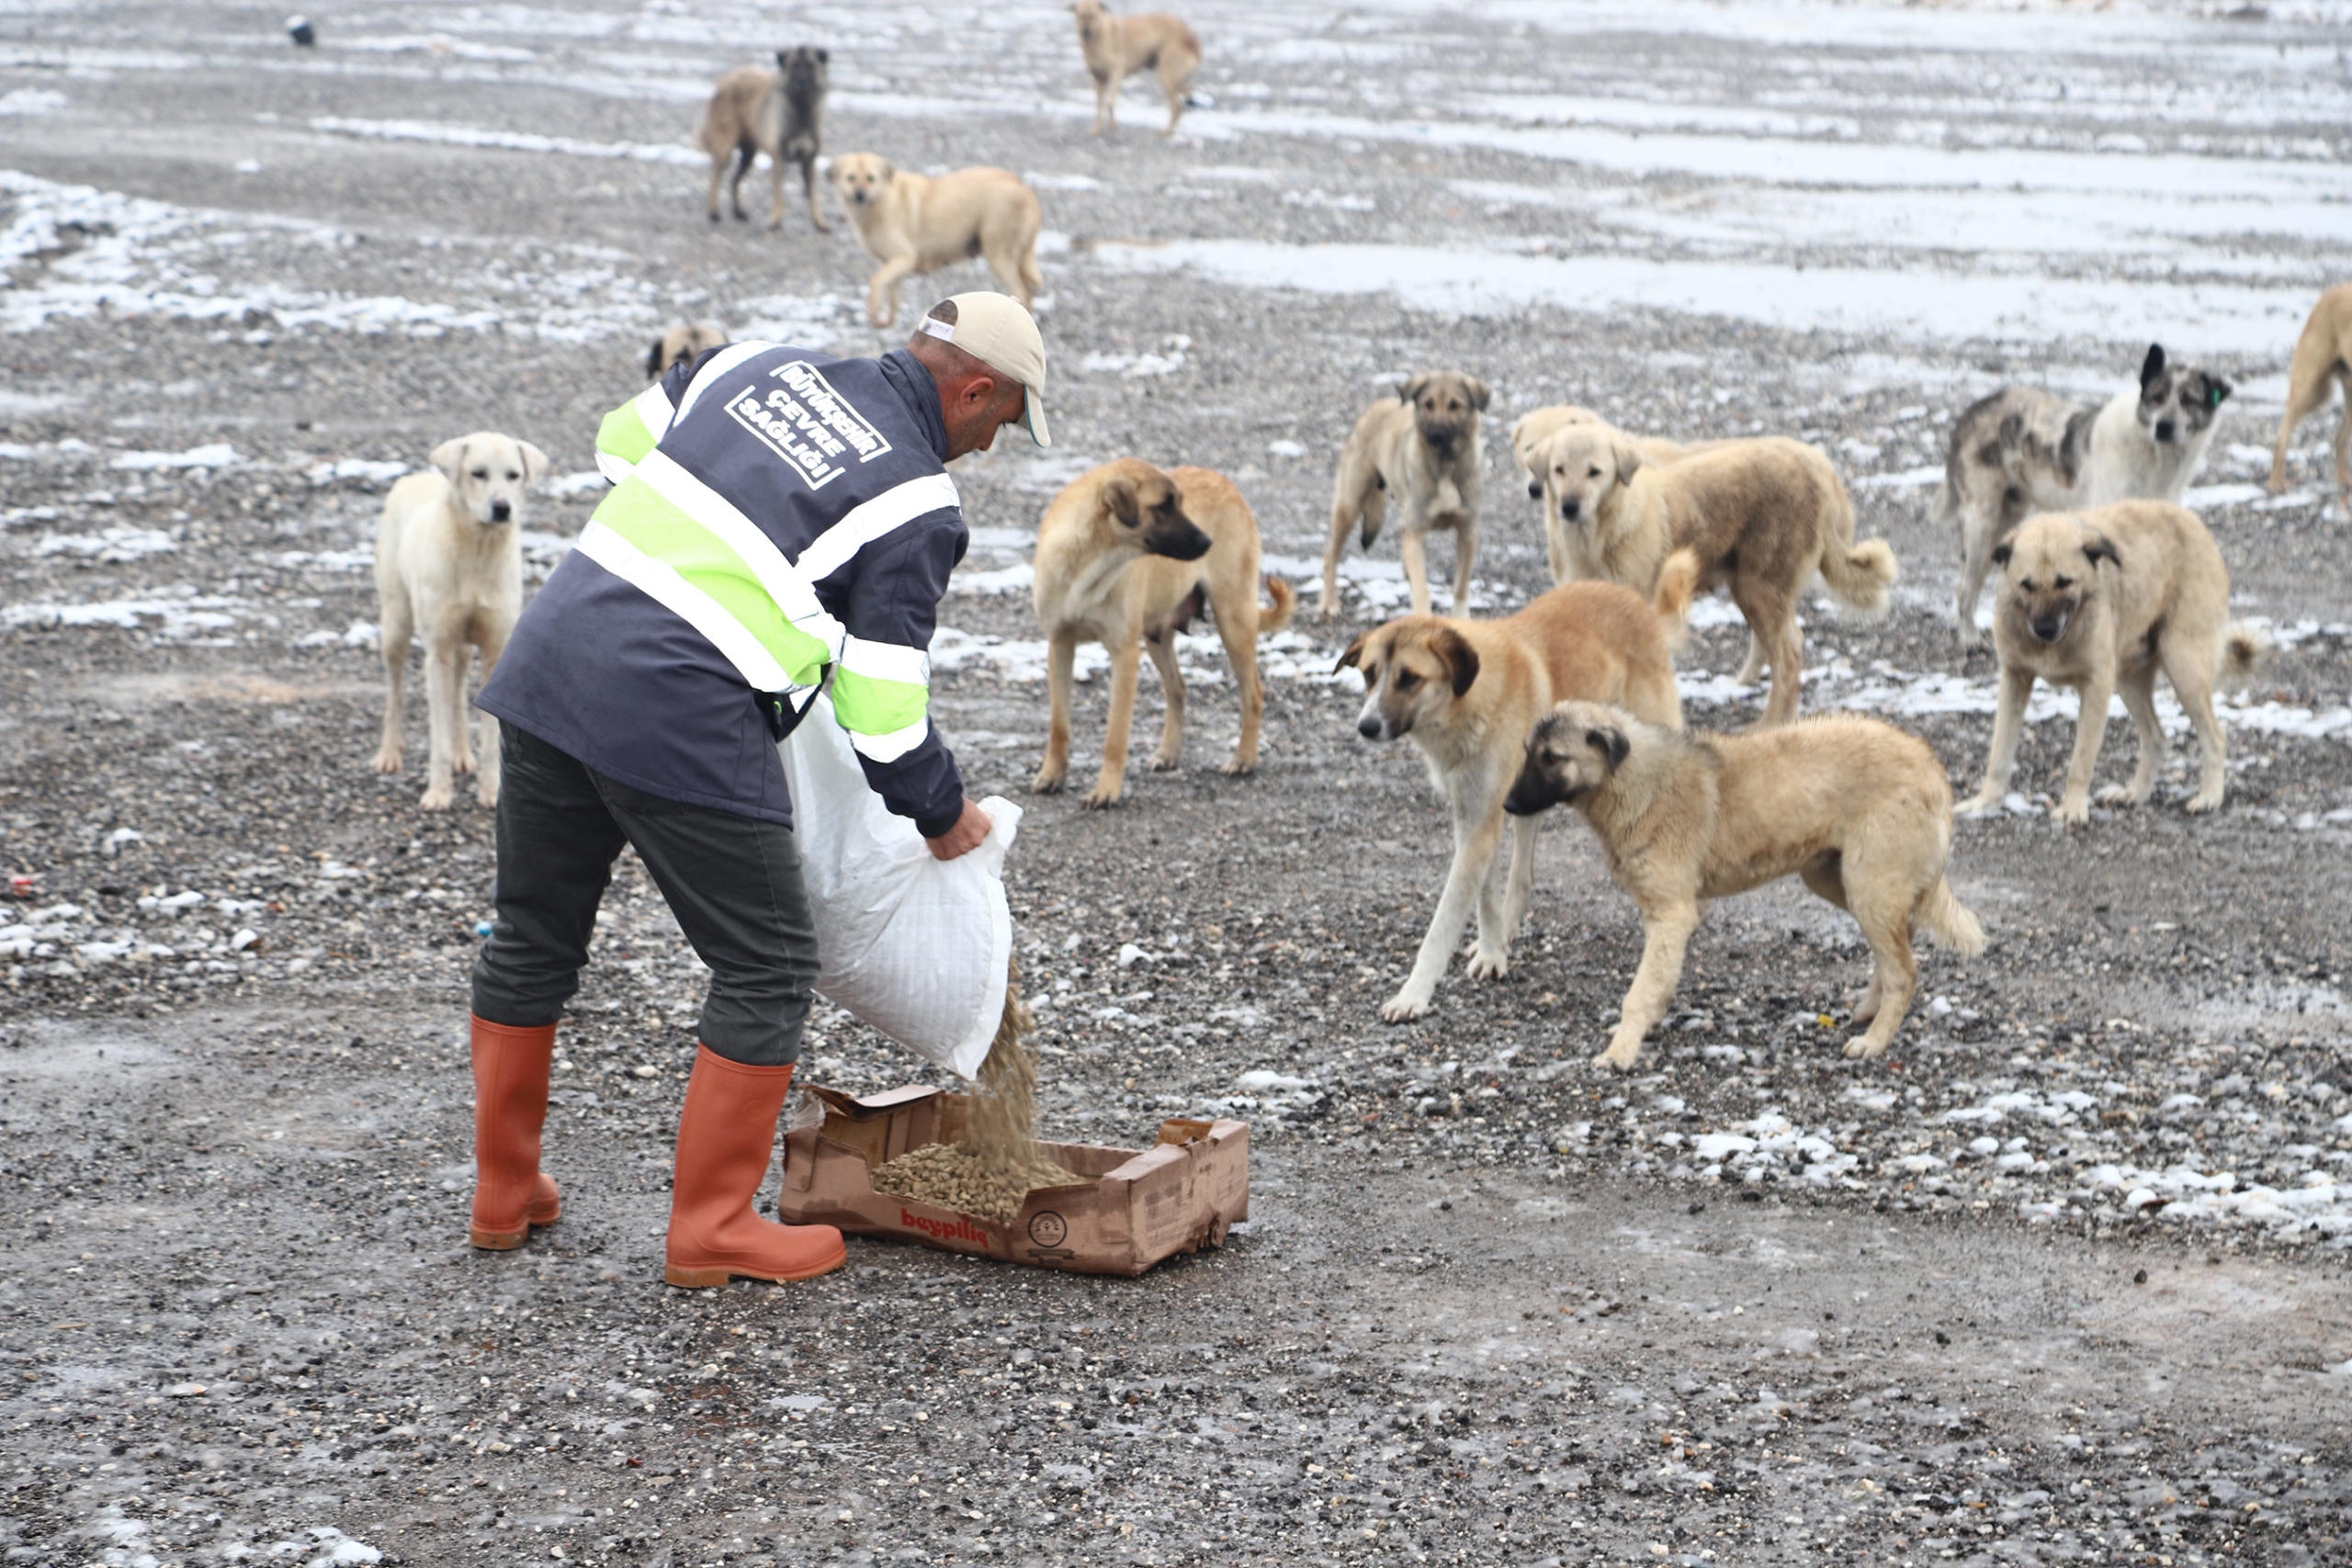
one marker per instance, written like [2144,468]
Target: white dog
[448,566]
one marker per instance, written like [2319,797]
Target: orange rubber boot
[510,1193]
[726,1142]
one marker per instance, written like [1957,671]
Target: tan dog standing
[2101,601]
[449,568]
[1528,435]
[1421,447]
[1860,811]
[780,113]
[1762,515]
[1467,692]
[1127,555]
[682,346]
[1117,47]
[2322,363]
[911,223]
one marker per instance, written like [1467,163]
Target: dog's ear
[1353,657]
[451,458]
[2001,553]
[1535,490]
[653,358]
[1460,659]
[2153,366]
[1629,462]
[886,171]
[2099,547]
[2216,392]
[1411,388]
[1611,744]
[1119,495]
[535,462]
[1480,393]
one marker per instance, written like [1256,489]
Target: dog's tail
[1286,601]
[1677,581]
[1950,923]
[2245,649]
[1860,574]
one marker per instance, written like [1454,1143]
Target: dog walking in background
[1467,692]
[2022,450]
[780,113]
[1117,47]
[1128,556]
[2102,601]
[2322,363]
[911,223]
[449,569]
[1421,447]
[1857,808]
[681,346]
[1762,515]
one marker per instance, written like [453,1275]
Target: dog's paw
[2122,795]
[2074,811]
[440,797]
[1404,1007]
[1983,802]
[487,794]
[1236,767]
[1045,783]
[463,762]
[1329,610]
[1484,965]
[1619,1057]
[1160,764]
[1101,798]
[2205,800]
[824,228]
[1861,1049]
[385,761]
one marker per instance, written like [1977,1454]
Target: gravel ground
[2063,1279]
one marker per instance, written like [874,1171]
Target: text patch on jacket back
[806,422]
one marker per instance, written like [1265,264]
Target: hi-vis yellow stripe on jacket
[777,517]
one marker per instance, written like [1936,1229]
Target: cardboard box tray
[1134,1207]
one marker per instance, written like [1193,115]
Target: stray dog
[2323,362]
[1128,556]
[1861,811]
[448,566]
[777,112]
[1422,447]
[2101,601]
[1528,435]
[2021,451]
[1762,515]
[912,224]
[682,346]
[1117,47]
[1467,691]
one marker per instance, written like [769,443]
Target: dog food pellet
[991,1170]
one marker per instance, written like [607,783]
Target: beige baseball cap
[995,330]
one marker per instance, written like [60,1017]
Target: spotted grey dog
[2022,451]
[780,113]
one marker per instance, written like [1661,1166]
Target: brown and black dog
[1467,692]
[1127,555]
[682,345]
[780,113]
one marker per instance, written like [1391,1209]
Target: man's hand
[964,837]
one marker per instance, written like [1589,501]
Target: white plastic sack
[916,947]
